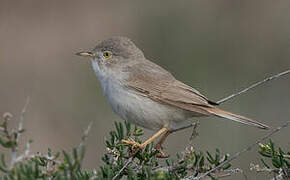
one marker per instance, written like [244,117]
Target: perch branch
[254,85]
[239,93]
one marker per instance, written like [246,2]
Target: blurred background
[218,47]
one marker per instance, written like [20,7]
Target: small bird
[147,95]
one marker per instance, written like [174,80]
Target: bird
[145,94]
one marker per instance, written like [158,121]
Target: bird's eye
[107,54]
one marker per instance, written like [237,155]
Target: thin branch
[254,85]
[239,93]
[14,149]
[195,124]
[194,133]
[85,136]
[20,125]
[274,131]
[227,173]
[123,168]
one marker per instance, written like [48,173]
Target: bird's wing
[156,83]
[152,81]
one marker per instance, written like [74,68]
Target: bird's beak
[85,54]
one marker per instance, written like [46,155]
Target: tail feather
[235,117]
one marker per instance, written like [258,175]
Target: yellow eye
[107,54]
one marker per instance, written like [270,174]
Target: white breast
[138,109]
[141,110]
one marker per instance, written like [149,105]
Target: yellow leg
[162,139]
[158,146]
[148,141]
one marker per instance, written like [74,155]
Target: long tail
[241,119]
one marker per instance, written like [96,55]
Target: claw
[148,141]
[160,154]
[134,144]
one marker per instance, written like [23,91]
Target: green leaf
[217,156]
[265,154]
[49,152]
[271,144]
[265,164]
[167,162]
[227,166]
[67,159]
[196,159]
[121,131]
[6,144]
[138,131]
[201,162]
[128,128]
[210,158]
[276,163]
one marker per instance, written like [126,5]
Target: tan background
[216,46]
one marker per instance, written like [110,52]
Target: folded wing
[154,82]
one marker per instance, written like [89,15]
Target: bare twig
[239,93]
[123,168]
[25,155]
[195,124]
[14,148]
[254,85]
[20,125]
[227,173]
[240,152]
[85,136]
[194,133]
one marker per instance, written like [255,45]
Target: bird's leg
[144,144]
[158,146]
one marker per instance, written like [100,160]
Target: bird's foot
[134,144]
[139,147]
[160,153]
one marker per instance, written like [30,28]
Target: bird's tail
[234,117]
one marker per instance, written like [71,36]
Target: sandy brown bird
[147,95]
